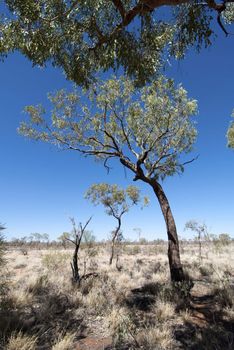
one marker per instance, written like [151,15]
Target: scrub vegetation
[134,307]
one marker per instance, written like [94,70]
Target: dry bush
[156,338]
[19,341]
[122,326]
[97,301]
[163,310]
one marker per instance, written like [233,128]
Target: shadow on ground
[51,314]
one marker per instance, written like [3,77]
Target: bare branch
[70,240]
[191,160]
[86,224]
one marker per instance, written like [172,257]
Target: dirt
[91,343]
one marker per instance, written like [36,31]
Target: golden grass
[19,341]
[41,290]
[65,342]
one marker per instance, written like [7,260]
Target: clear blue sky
[41,187]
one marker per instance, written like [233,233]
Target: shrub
[54,261]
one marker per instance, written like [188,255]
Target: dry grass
[19,341]
[65,343]
[44,301]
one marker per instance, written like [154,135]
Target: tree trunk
[115,234]
[176,270]
[74,265]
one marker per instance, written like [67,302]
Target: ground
[132,307]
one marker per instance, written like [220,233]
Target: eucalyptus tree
[146,129]
[117,202]
[84,37]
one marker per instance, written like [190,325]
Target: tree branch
[119,5]
[191,160]
[144,6]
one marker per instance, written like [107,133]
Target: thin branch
[125,135]
[191,160]
[70,240]
[106,165]
[87,222]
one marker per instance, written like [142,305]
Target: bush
[54,261]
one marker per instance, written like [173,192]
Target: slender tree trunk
[115,234]
[74,265]
[200,247]
[176,270]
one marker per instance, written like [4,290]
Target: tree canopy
[86,37]
[146,129]
[115,200]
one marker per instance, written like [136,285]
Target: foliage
[54,260]
[220,241]
[63,238]
[200,229]
[230,134]
[115,200]
[84,37]
[38,237]
[146,129]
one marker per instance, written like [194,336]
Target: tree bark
[74,265]
[115,234]
[176,270]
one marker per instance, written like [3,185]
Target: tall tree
[146,129]
[116,201]
[84,37]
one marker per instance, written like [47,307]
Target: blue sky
[41,186]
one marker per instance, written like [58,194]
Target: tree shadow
[51,314]
[207,329]
[143,298]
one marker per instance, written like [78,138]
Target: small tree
[77,235]
[225,239]
[63,239]
[201,231]
[116,201]
[146,129]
